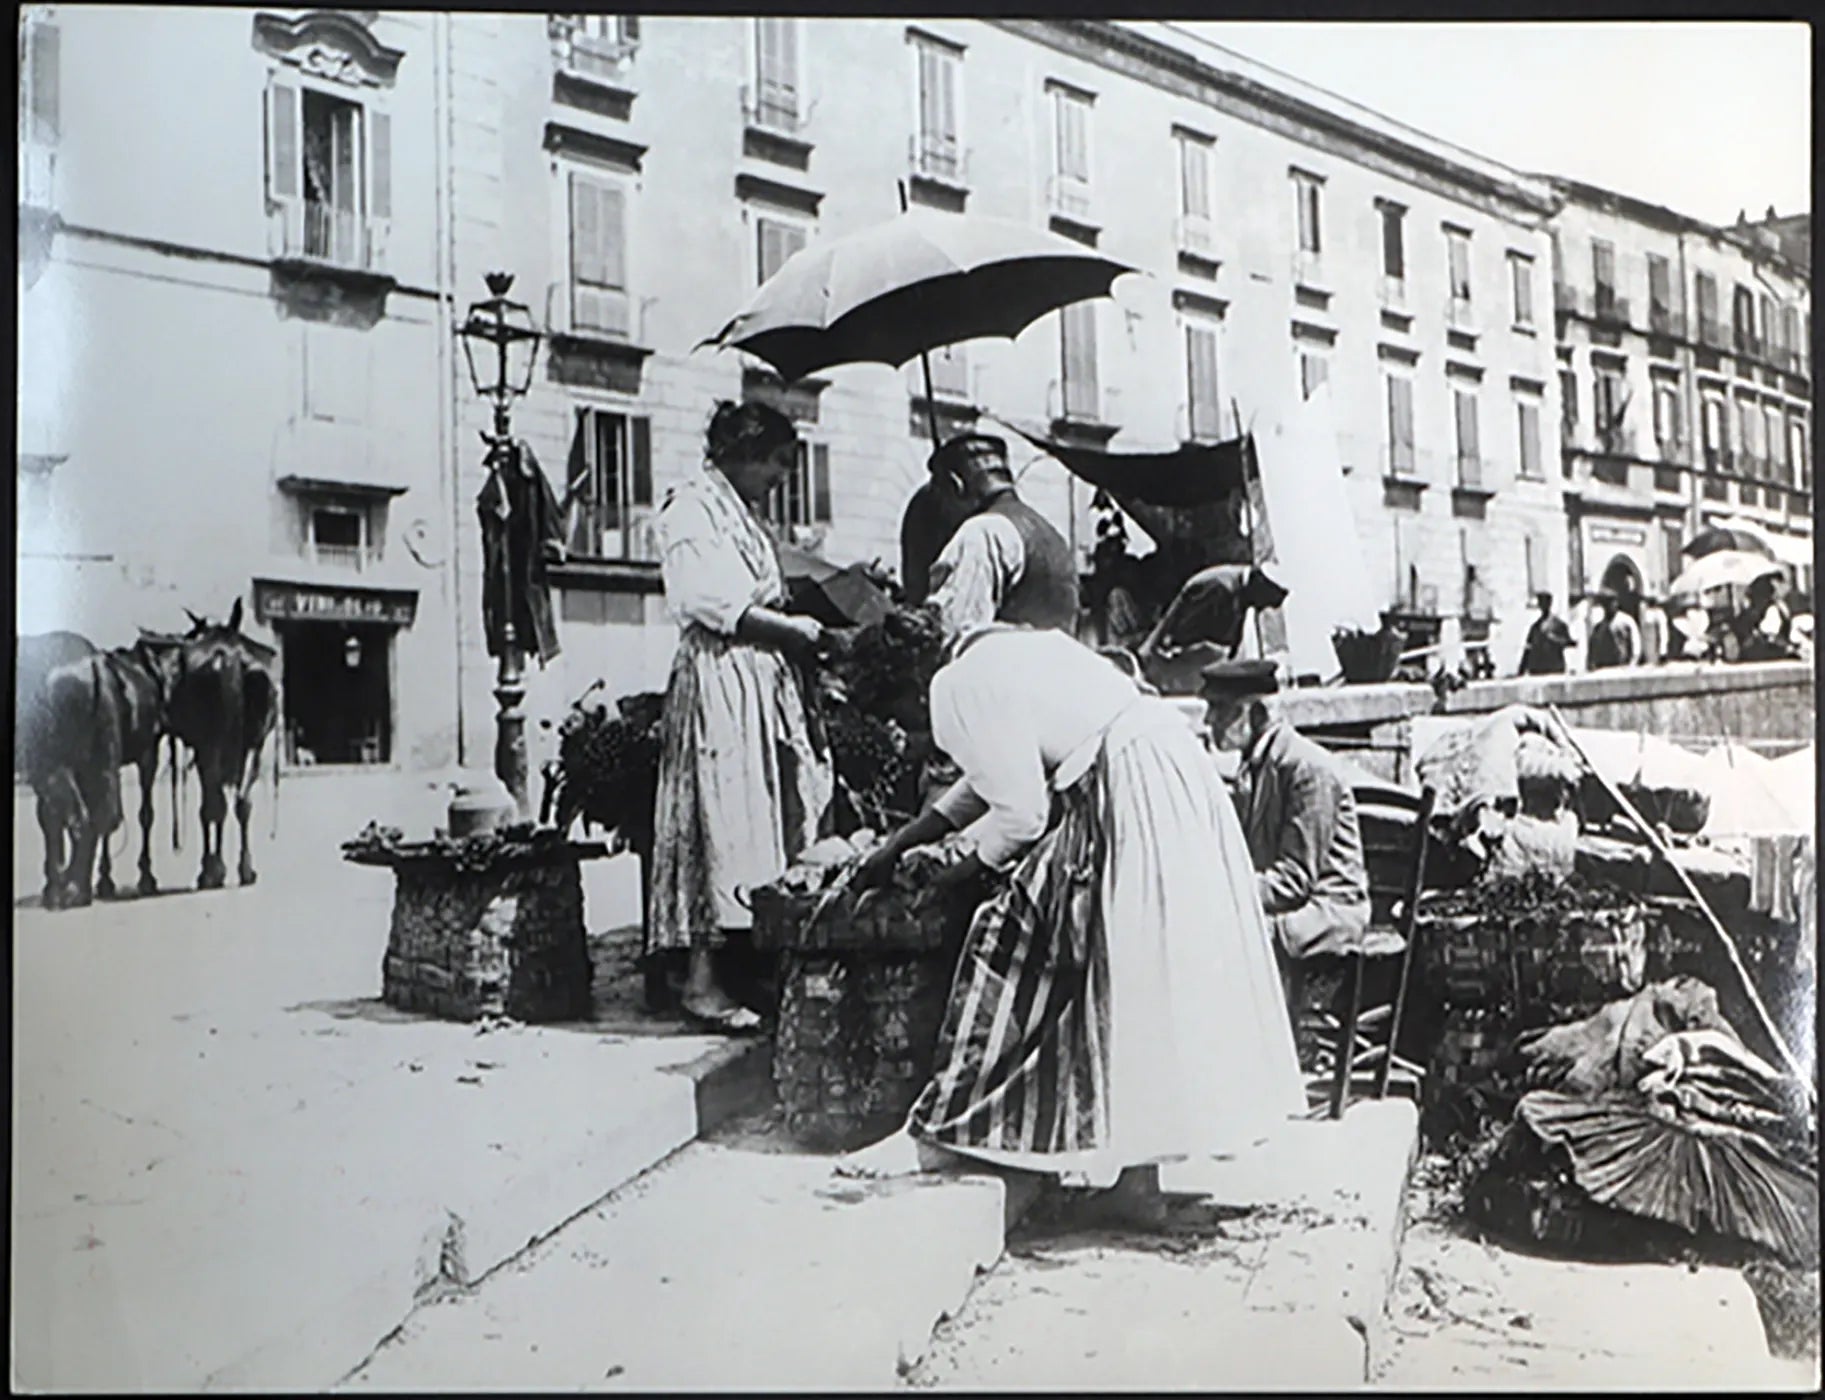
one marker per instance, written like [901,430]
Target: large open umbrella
[909,285]
[1737,534]
[1721,569]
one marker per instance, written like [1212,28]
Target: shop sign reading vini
[303,602]
[1618,534]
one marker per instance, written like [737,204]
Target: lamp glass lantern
[507,326]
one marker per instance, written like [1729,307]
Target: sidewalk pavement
[234,1167]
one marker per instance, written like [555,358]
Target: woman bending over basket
[743,785]
[1116,1005]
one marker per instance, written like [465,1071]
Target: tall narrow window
[1714,426]
[1308,192]
[1071,135]
[1710,330]
[610,492]
[1776,442]
[598,255]
[1672,546]
[1202,386]
[328,174]
[1393,239]
[937,150]
[1609,408]
[778,240]
[1568,408]
[1748,436]
[1767,332]
[1527,415]
[1521,281]
[1457,250]
[1790,336]
[39,76]
[803,498]
[1796,455]
[1314,369]
[1660,294]
[1668,429]
[1195,153]
[776,87]
[1603,273]
[1469,452]
[1401,460]
[1077,354]
[1533,548]
[1743,319]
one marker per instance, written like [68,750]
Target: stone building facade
[1686,380]
[240,375]
[232,350]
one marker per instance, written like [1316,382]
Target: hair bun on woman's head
[747,430]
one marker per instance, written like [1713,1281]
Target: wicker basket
[1592,957]
[887,924]
[856,1040]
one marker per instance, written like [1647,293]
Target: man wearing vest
[1005,563]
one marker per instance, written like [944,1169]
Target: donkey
[99,713]
[224,705]
[36,657]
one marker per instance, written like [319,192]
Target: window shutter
[1194,178]
[1459,258]
[947,104]
[778,82]
[380,165]
[1079,330]
[1603,265]
[640,463]
[44,72]
[1659,284]
[820,483]
[1393,254]
[1530,439]
[281,141]
[928,99]
[614,236]
[630,28]
[597,251]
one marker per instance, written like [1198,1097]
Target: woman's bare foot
[898,1155]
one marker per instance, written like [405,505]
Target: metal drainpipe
[447,428]
[1693,408]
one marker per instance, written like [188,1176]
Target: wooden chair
[1361,1042]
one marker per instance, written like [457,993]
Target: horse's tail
[177,805]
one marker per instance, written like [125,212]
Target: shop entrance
[338,687]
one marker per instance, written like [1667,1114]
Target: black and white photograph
[890,703]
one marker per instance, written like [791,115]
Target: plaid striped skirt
[1118,1003]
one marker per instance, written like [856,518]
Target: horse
[224,705]
[99,712]
[36,657]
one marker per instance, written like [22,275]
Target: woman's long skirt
[1118,1003]
[743,787]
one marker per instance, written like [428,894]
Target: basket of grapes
[607,769]
[814,906]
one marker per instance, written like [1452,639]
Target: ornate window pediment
[333,45]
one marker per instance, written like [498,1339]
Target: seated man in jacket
[1299,814]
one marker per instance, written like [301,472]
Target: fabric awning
[1194,475]
[1795,550]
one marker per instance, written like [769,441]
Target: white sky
[1702,117]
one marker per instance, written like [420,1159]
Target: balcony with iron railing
[309,232]
[1196,236]
[596,57]
[1069,197]
[774,112]
[1663,320]
[1308,268]
[1608,309]
[943,162]
[1711,332]
[1568,300]
[1201,423]
[1460,313]
[1083,405]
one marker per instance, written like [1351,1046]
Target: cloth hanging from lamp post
[522,535]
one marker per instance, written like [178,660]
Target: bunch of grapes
[892,661]
[608,766]
[870,754]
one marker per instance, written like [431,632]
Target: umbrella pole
[925,359]
[1723,934]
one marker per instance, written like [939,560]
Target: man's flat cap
[1251,677]
[966,445]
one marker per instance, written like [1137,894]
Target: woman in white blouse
[743,785]
[1116,1005]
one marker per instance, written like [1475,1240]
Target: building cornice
[1118,45]
[1671,221]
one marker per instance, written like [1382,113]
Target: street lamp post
[507,326]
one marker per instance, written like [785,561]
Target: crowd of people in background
[1625,629]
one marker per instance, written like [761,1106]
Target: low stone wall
[1770,705]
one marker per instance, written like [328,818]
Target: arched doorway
[1623,578]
